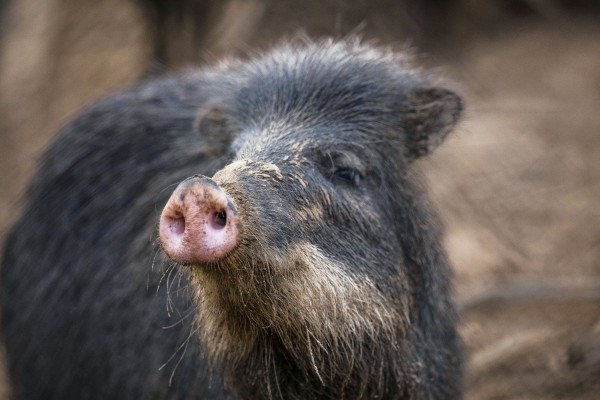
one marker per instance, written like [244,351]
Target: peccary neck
[272,372]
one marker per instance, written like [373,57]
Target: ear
[429,114]
[213,124]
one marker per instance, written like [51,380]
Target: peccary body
[307,266]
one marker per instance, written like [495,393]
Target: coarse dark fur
[338,288]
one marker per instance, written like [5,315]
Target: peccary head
[317,264]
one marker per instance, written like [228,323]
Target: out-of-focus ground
[517,186]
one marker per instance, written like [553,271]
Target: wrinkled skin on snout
[316,261]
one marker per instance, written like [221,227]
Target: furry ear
[429,114]
[213,125]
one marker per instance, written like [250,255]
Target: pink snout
[199,223]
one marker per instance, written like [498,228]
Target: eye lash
[347,175]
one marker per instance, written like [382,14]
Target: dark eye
[347,175]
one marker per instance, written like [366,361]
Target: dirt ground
[517,185]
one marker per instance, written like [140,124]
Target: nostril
[176,225]
[199,223]
[219,219]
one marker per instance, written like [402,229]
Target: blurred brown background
[518,185]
